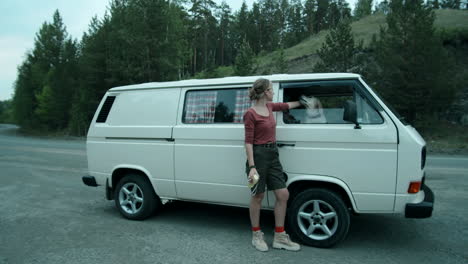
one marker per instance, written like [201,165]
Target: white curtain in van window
[200,107]
[242,104]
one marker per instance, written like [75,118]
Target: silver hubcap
[317,220]
[131,198]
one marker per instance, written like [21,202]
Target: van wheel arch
[120,173]
[134,195]
[299,186]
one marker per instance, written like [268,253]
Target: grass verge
[446,138]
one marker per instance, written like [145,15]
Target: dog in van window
[314,110]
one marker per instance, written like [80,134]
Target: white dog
[314,110]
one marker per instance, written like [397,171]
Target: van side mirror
[350,113]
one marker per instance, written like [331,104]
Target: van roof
[235,80]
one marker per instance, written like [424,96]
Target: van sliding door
[209,145]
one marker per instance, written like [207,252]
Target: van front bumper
[422,209]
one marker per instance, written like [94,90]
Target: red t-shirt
[262,129]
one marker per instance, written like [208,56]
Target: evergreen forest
[420,69]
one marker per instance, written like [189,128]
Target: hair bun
[258,88]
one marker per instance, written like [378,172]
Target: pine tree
[254,29]
[339,52]
[241,25]
[137,41]
[434,4]
[345,10]
[59,80]
[363,8]
[46,107]
[24,99]
[95,79]
[383,7]
[284,17]
[225,35]
[321,14]
[333,16]
[147,41]
[270,24]
[452,4]
[245,61]
[203,30]
[46,80]
[413,71]
[309,16]
[296,29]
[6,112]
[281,65]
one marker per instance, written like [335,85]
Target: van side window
[325,102]
[215,106]
[106,107]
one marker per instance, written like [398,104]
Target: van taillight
[414,187]
[423,157]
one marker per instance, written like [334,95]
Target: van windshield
[394,111]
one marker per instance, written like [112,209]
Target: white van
[184,140]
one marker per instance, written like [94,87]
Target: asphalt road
[47,215]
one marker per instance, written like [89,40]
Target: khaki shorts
[269,169]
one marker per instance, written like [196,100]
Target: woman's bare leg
[282,196]
[255,206]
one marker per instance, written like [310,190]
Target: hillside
[450,135]
[302,57]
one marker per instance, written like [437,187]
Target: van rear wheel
[318,218]
[135,197]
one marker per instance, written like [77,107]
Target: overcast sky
[21,19]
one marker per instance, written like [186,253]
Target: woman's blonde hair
[258,88]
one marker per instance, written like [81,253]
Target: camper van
[184,140]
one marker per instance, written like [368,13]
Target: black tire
[302,215]
[135,198]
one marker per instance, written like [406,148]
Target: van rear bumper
[422,209]
[90,181]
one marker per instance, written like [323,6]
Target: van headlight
[423,157]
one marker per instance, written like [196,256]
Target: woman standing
[263,160]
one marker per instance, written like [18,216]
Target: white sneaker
[258,242]
[282,241]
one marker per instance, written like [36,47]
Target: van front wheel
[135,197]
[318,218]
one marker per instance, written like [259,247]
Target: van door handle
[285,145]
